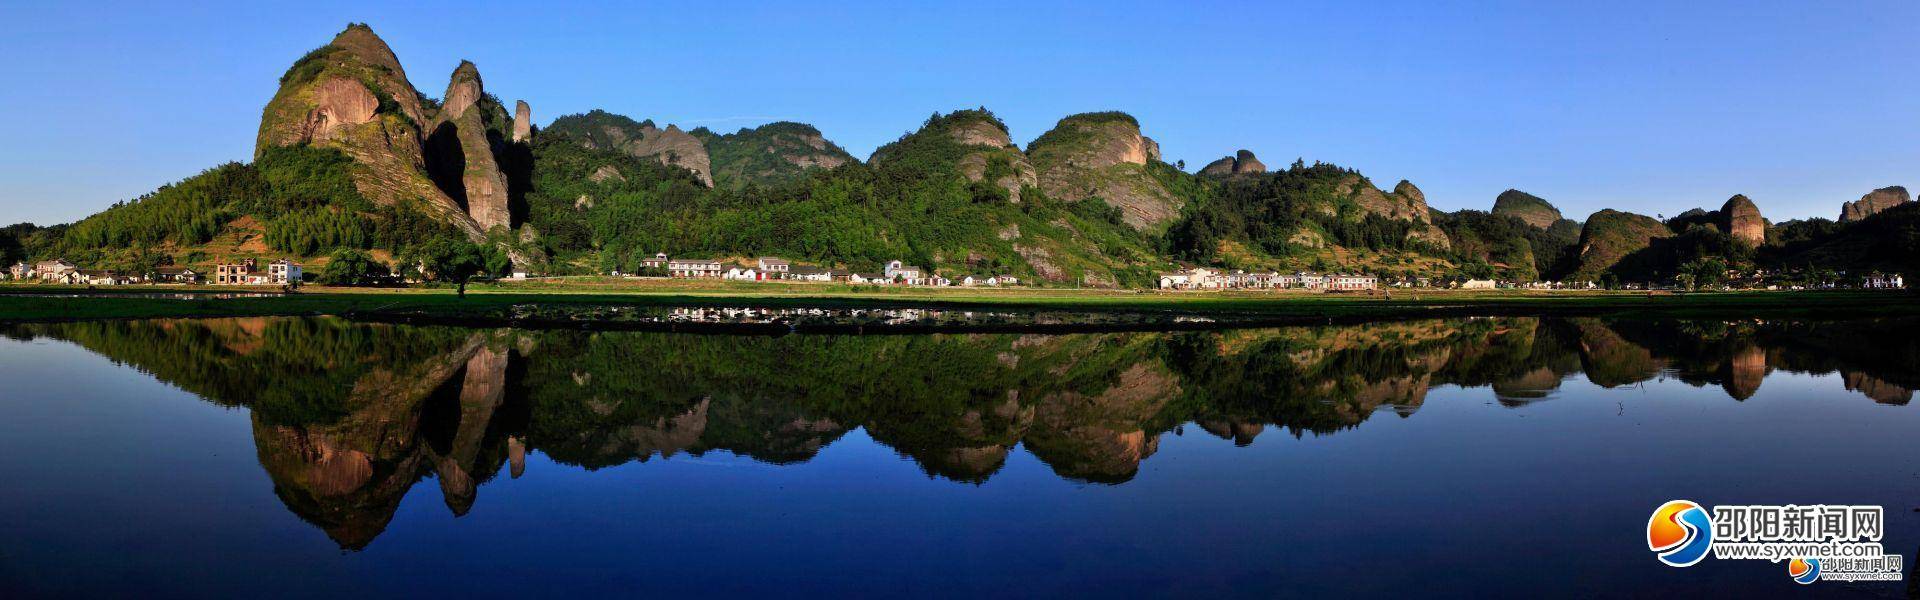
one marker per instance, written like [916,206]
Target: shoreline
[1051,310]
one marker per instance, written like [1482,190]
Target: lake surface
[1496,457]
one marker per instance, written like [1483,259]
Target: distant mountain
[770,154]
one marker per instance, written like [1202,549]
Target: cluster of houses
[246,272]
[1202,278]
[778,269]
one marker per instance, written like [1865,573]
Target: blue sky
[1650,107]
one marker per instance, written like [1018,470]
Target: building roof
[774,261]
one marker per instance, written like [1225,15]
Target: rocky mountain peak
[522,121]
[464,88]
[1740,218]
[1874,202]
[1242,161]
[362,42]
[1104,155]
[1527,207]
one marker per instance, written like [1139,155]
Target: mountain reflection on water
[348,416]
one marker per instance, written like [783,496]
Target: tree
[453,260]
[350,267]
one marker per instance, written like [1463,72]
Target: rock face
[1874,202]
[770,154]
[1741,219]
[1242,161]
[1405,203]
[1103,155]
[979,139]
[522,121]
[352,95]
[1527,207]
[1610,236]
[671,146]
[461,150]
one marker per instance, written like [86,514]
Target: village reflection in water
[348,416]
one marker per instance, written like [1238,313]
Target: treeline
[303,197]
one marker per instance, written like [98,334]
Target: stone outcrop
[1874,202]
[461,150]
[673,147]
[522,121]
[1241,162]
[1104,155]
[1527,207]
[1741,219]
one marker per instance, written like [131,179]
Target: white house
[809,274]
[1352,282]
[897,270]
[775,267]
[695,268]
[738,273]
[1479,284]
[657,261]
[282,272]
[56,270]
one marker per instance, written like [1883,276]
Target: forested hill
[354,161]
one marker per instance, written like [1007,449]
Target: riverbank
[614,303]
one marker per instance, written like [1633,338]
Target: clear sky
[1650,107]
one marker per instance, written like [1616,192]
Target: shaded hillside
[770,154]
[1611,236]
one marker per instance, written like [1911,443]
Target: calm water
[1483,457]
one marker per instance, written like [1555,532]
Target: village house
[234,273]
[905,273]
[20,271]
[105,277]
[57,270]
[739,273]
[1345,282]
[775,268]
[695,268]
[1879,281]
[283,271]
[809,274]
[176,275]
[658,261]
[1479,284]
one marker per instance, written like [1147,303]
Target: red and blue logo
[1681,532]
[1803,570]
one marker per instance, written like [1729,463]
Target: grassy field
[493,301]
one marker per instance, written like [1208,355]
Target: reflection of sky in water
[119,483]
